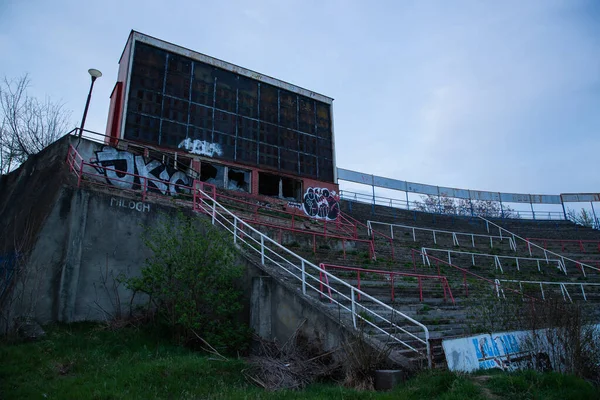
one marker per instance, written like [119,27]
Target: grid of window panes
[172,98]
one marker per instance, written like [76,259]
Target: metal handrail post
[303,278]
[353,307]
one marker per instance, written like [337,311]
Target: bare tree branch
[27,125]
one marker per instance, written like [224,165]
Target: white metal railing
[299,268]
[454,234]
[421,206]
[497,258]
[562,285]
[578,264]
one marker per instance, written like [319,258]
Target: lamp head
[94,73]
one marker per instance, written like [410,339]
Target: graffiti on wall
[321,203]
[201,147]
[130,204]
[136,170]
[503,351]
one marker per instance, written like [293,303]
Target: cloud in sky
[500,96]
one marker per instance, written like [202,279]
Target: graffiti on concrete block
[125,170]
[130,204]
[201,147]
[321,203]
[506,351]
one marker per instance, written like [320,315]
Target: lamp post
[95,74]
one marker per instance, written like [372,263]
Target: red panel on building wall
[115,114]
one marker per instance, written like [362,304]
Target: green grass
[534,385]
[85,361]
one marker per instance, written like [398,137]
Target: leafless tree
[485,208]
[583,217]
[27,125]
[437,204]
[444,204]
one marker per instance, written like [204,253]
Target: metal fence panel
[580,197]
[388,183]
[422,188]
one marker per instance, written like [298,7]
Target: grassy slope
[83,361]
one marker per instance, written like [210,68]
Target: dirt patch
[480,381]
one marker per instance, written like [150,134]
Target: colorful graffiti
[321,203]
[504,351]
[128,171]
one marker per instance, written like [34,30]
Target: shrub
[190,280]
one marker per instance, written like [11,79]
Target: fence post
[235,229]
[321,280]
[262,249]
[353,307]
[373,186]
[303,279]
[144,189]
[80,173]
[214,211]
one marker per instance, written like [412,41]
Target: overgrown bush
[361,359]
[567,337]
[190,280]
[561,336]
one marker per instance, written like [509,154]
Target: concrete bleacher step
[442,317]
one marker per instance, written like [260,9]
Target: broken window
[290,189]
[279,186]
[213,174]
[268,184]
[238,179]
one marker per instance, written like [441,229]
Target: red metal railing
[78,166]
[562,243]
[372,232]
[296,215]
[314,235]
[464,271]
[391,275]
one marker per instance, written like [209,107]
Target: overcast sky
[487,95]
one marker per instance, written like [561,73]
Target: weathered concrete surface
[278,310]
[91,237]
[83,239]
[28,194]
[87,241]
[261,301]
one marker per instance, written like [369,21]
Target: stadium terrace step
[467,260]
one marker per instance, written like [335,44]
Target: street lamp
[95,74]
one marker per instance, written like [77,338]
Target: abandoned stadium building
[256,157]
[235,128]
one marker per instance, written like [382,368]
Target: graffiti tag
[201,147]
[321,203]
[130,204]
[127,171]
